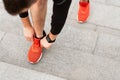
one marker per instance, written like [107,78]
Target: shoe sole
[36,61]
[81,22]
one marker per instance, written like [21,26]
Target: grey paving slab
[108,46]
[73,4]
[86,26]
[76,38]
[13,48]
[100,1]
[13,72]
[8,23]
[113,2]
[82,66]
[1,35]
[110,31]
[2,70]
[73,9]
[79,67]
[50,6]
[96,68]
[102,14]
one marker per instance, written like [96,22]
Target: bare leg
[38,14]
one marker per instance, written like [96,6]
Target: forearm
[25,19]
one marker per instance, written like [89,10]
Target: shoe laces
[36,43]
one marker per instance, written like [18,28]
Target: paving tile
[11,24]
[13,48]
[1,34]
[108,46]
[102,14]
[1,37]
[96,68]
[14,72]
[0,0]
[110,31]
[113,2]
[2,70]
[86,26]
[100,1]
[76,38]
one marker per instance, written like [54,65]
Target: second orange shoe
[83,12]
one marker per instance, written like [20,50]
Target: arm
[28,30]
[25,19]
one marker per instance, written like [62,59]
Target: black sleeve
[24,14]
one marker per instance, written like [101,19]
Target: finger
[28,39]
[31,39]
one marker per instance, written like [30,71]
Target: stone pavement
[89,51]
[12,72]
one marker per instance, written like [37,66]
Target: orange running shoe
[35,51]
[83,11]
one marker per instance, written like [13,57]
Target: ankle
[38,37]
[41,36]
[52,37]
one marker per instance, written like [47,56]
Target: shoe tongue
[36,41]
[84,4]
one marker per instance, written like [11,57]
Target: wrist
[51,36]
[26,22]
[24,14]
[49,39]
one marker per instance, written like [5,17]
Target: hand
[45,44]
[29,33]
